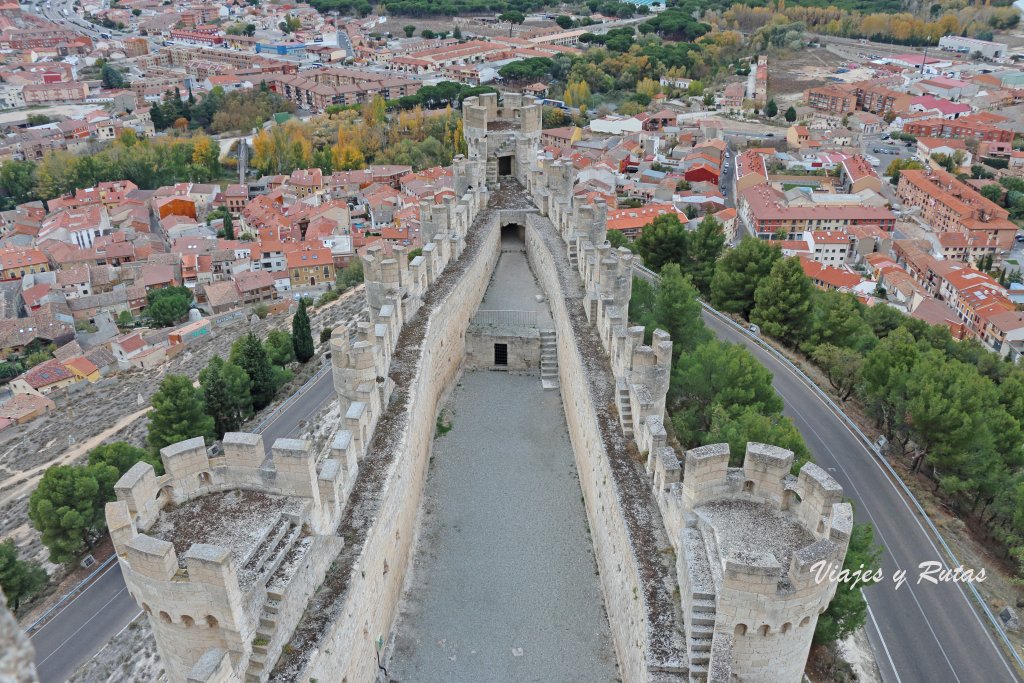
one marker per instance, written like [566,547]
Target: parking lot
[886,150]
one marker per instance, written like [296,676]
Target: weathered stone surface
[17,658]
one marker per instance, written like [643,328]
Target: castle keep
[280,562]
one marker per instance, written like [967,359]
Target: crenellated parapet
[224,551]
[215,549]
[746,538]
[504,134]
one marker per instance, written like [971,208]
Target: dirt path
[28,478]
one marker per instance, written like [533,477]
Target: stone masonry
[745,539]
[224,552]
[17,657]
[287,565]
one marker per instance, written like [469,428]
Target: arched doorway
[513,236]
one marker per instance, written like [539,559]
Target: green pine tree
[227,395]
[663,241]
[677,311]
[67,508]
[248,353]
[738,428]
[279,347]
[739,272]
[705,245]
[19,579]
[717,375]
[178,413]
[782,302]
[302,335]
[123,456]
[229,228]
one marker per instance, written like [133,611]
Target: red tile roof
[45,374]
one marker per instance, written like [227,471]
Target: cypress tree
[248,353]
[226,389]
[302,335]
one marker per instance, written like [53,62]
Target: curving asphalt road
[102,610]
[921,631]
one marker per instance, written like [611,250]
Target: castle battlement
[212,549]
[503,134]
[746,537]
[225,552]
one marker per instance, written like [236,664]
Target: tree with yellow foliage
[649,87]
[282,149]
[348,158]
[374,111]
[577,93]
[205,158]
[345,155]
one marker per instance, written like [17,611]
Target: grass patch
[442,427]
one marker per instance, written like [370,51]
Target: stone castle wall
[203,606]
[744,615]
[713,614]
[349,650]
[625,592]
[209,625]
[17,657]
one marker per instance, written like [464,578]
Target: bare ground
[130,656]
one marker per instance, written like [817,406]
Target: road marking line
[881,536]
[54,617]
[68,639]
[928,537]
[881,639]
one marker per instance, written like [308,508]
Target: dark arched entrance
[513,234]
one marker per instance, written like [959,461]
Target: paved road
[85,625]
[920,632]
[103,609]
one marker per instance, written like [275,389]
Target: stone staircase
[700,601]
[625,408]
[262,640]
[702,630]
[282,539]
[548,360]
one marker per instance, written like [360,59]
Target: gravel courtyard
[504,584]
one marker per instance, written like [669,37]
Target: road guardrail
[70,595]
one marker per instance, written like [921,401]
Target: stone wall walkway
[504,584]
